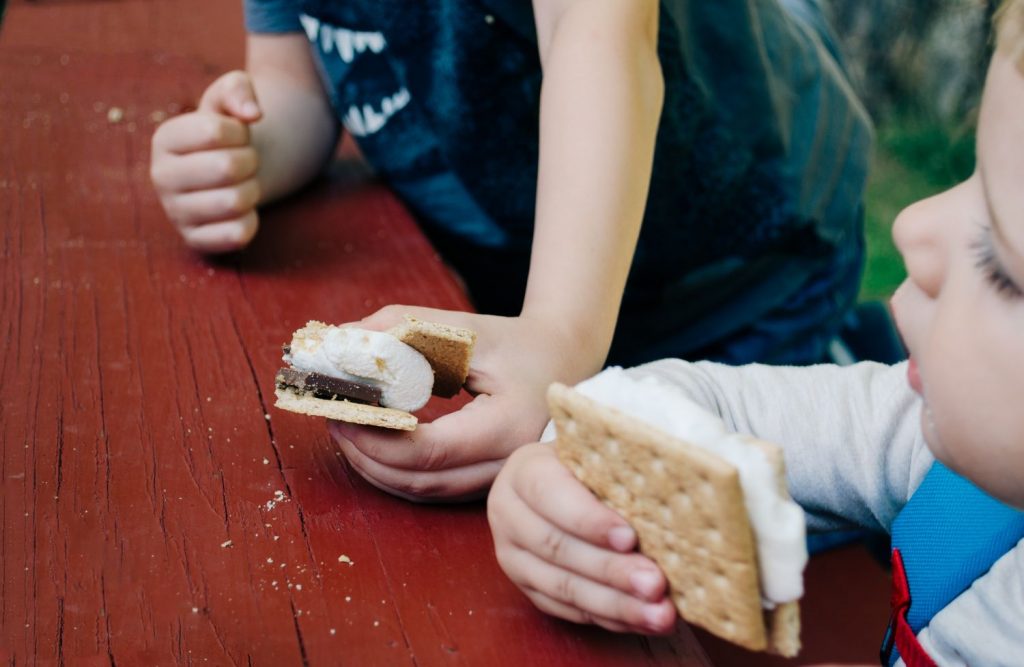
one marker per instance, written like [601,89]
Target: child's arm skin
[256,135]
[600,104]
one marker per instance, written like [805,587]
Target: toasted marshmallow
[778,522]
[370,357]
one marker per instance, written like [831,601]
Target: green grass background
[915,157]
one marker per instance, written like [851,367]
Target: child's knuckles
[237,81]
[246,228]
[551,544]
[238,201]
[166,132]
[532,481]
[213,129]
[246,161]
[174,210]
[567,589]
[227,167]
[158,174]
[505,554]
[417,485]
[434,456]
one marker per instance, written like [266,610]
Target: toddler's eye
[987,261]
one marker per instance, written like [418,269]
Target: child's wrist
[582,342]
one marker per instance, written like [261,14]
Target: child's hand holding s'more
[573,556]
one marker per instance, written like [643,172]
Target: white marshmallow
[777,521]
[374,358]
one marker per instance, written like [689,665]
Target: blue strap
[950,533]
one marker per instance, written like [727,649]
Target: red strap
[903,636]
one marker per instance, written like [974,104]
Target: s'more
[374,378]
[710,507]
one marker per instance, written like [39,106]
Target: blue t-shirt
[751,242]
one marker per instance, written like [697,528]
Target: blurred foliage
[916,156]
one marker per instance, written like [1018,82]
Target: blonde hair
[1009,21]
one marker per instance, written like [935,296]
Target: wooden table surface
[157,510]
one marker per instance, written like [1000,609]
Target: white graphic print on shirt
[346,46]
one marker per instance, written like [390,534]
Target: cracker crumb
[195,610]
[333,631]
[348,598]
[224,545]
[266,416]
[298,587]
[345,559]
[376,624]
[115,115]
[266,461]
[270,560]
[279,497]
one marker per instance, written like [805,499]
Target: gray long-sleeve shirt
[854,455]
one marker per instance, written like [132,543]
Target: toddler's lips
[914,377]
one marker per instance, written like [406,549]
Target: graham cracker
[447,348]
[687,508]
[346,411]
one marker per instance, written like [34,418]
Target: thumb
[232,95]
[393,315]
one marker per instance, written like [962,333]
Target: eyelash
[988,263]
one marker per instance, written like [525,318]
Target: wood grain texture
[156,509]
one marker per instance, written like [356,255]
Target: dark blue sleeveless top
[754,209]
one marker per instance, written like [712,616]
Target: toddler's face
[961,309]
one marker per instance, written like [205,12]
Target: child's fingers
[392,315]
[562,500]
[199,131]
[455,483]
[204,170]
[558,609]
[525,530]
[233,94]
[190,209]
[222,236]
[593,599]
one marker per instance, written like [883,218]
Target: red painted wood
[156,509]
[843,615]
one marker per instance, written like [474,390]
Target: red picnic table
[157,510]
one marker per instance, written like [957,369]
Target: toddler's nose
[919,232]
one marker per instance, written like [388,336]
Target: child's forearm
[600,104]
[298,132]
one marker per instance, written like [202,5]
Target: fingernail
[645,582]
[655,616]
[250,109]
[622,538]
